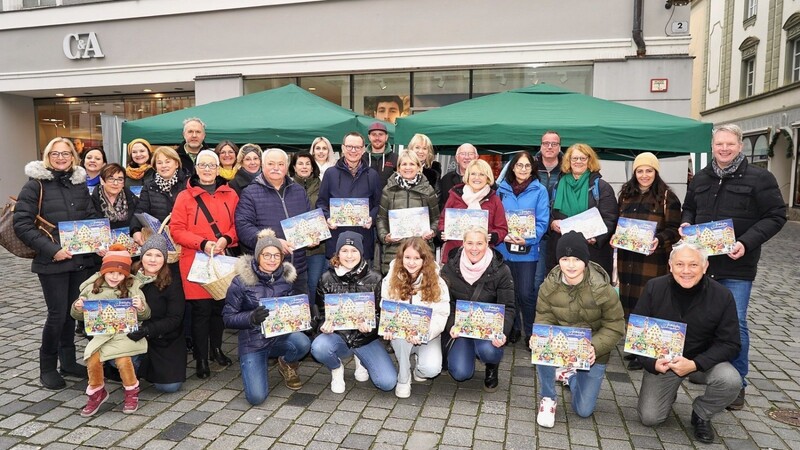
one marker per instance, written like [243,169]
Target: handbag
[8,237]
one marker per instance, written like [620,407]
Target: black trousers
[206,325]
[60,290]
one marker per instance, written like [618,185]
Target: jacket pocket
[737,201]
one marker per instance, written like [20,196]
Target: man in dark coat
[380,154]
[707,308]
[548,160]
[194,135]
[465,153]
[730,188]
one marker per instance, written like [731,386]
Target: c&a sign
[82,46]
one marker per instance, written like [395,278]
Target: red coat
[498,227]
[189,227]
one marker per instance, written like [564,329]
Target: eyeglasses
[470,154]
[551,144]
[351,148]
[207,166]
[579,158]
[522,166]
[115,180]
[61,154]
[272,256]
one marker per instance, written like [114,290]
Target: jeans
[524,275]
[206,325]
[461,357]
[541,269]
[741,295]
[291,347]
[584,385]
[429,358]
[330,349]
[317,265]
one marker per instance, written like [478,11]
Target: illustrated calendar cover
[286,315]
[306,229]
[589,222]
[634,235]
[409,222]
[654,338]
[200,272]
[122,236]
[457,221]
[348,311]
[561,346]
[110,316]
[136,190]
[478,320]
[349,212]
[404,320]
[85,236]
[521,223]
[718,238]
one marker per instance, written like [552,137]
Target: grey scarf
[723,172]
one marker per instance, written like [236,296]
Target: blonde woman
[248,164]
[422,146]
[322,150]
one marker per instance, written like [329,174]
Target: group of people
[230,200]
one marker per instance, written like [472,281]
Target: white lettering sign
[82,46]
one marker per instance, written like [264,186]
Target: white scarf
[472,198]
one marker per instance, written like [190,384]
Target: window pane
[796,60]
[333,88]
[572,78]
[252,86]
[384,96]
[435,89]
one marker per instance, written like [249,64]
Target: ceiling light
[59,95]
[312,89]
[148,90]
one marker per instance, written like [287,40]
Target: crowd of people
[230,201]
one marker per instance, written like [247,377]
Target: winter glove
[137,335]
[258,315]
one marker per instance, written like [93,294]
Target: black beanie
[351,238]
[573,244]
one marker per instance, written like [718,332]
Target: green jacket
[592,303]
[112,346]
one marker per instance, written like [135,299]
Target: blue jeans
[317,265]
[541,269]
[167,388]
[524,274]
[461,356]
[330,349]
[584,385]
[741,295]
[291,347]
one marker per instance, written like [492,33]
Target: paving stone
[332,433]
[422,441]
[457,436]
[177,431]
[358,441]
[257,442]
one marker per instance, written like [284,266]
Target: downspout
[638,38]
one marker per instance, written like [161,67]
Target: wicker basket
[218,288]
[172,257]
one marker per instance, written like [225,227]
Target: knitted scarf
[136,173]
[518,187]
[407,184]
[572,196]
[472,198]
[472,272]
[228,174]
[723,172]
[116,212]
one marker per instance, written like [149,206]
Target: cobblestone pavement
[443,414]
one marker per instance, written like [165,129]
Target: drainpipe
[638,38]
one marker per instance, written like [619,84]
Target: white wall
[216,89]
[18,128]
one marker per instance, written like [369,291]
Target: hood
[246,269]
[38,171]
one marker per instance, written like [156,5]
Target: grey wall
[18,128]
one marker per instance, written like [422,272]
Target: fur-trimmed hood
[38,171]
[247,270]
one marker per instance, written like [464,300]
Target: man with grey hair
[707,308]
[271,197]
[194,135]
[731,188]
[465,153]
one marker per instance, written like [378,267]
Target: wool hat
[646,159]
[117,259]
[157,242]
[573,244]
[266,238]
[377,126]
[209,153]
[247,149]
[350,238]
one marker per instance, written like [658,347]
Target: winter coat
[712,326]
[360,279]
[112,346]
[396,197]
[156,203]
[446,183]
[64,198]
[548,179]
[752,198]
[494,286]
[340,183]
[248,287]
[187,162]
[498,227]
[635,269]
[433,174]
[262,206]
[131,199]
[166,349]
[384,163]
[441,308]
[311,186]
[592,303]
[242,179]
[601,251]
[533,197]
[190,228]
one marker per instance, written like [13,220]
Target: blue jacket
[262,206]
[250,285]
[533,197]
[340,183]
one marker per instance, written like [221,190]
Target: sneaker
[131,400]
[337,379]
[417,377]
[547,413]
[94,402]
[289,373]
[361,372]
[403,390]
[563,374]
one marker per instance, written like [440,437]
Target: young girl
[413,278]
[113,281]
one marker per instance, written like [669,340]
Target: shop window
[253,85]
[572,78]
[384,96]
[436,89]
[333,88]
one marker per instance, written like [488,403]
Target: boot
[189,345]
[96,399]
[289,372]
[203,371]
[131,401]
[220,357]
[490,383]
[48,375]
[69,367]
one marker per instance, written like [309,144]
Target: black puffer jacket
[156,203]
[494,286]
[752,198]
[360,279]
[64,198]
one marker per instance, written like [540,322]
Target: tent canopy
[518,117]
[288,115]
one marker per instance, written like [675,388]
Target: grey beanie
[266,238]
[157,242]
